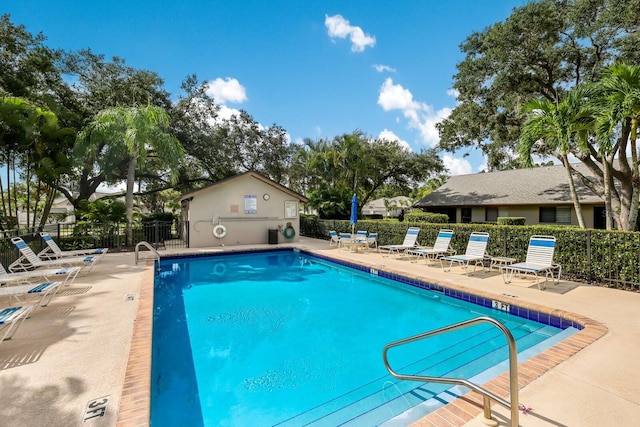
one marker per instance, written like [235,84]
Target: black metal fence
[610,258]
[160,234]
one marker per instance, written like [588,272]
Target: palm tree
[129,134]
[29,135]
[555,127]
[620,89]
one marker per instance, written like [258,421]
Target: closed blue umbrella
[354,212]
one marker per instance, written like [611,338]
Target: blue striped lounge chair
[372,241]
[475,253]
[68,273]
[344,240]
[410,242]
[46,291]
[539,261]
[29,260]
[52,250]
[11,319]
[360,240]
[334,239]
[441,247]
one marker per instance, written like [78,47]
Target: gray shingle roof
[532,186]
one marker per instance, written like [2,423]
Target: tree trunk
[635,180]
[28,183]
[131,178]
[607,193]
[9,207]
[574,194]
[15,196]
[50,191]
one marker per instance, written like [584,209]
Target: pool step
[386,398]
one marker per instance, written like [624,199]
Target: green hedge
[511,220]
[607,258]
[429,217]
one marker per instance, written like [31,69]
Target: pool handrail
[156,255]
[486,394]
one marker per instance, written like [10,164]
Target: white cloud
[338,27]
[228,90]
[395,97]
[456,166]
[420,116]
[390,136]
[380,68]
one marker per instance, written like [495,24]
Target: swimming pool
[284,338]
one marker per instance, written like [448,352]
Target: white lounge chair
[360,239]
[372,241]
[344,240]
[333,238]
[46,291]
[53,250]
[539,260]
[11,318]
[410,242]
[440,248]
[29,260]
[475,253]
[69,274]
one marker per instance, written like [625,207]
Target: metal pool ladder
[486,394]
[156,255]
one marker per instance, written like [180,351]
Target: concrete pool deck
[66,366]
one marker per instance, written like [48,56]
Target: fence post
[156,232]
[589,260]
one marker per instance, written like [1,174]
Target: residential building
[244,209]
[541,195]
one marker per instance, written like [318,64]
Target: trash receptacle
[273,236]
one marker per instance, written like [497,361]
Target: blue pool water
[286,339]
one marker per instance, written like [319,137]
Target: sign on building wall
[290,209]
[250,204]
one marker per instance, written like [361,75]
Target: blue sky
[317,68]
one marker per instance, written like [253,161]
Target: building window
[465,215]
[491,214]
[555,215]
[563,215]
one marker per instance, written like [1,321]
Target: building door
[599,217]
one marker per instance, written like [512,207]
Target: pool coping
[135,402]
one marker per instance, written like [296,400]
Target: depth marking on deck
[96,408]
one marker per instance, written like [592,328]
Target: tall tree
[620,103]
[130,134]
[556,127]
[542,50]
[355,163]
[27,66]
[102,84]
[193,119]
[30,135]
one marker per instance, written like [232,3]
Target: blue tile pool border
[514,309]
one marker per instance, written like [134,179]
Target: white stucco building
[242,210]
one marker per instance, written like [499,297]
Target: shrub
[158,216]
[373,216]
[511,220]
[600,256]
[430,217]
